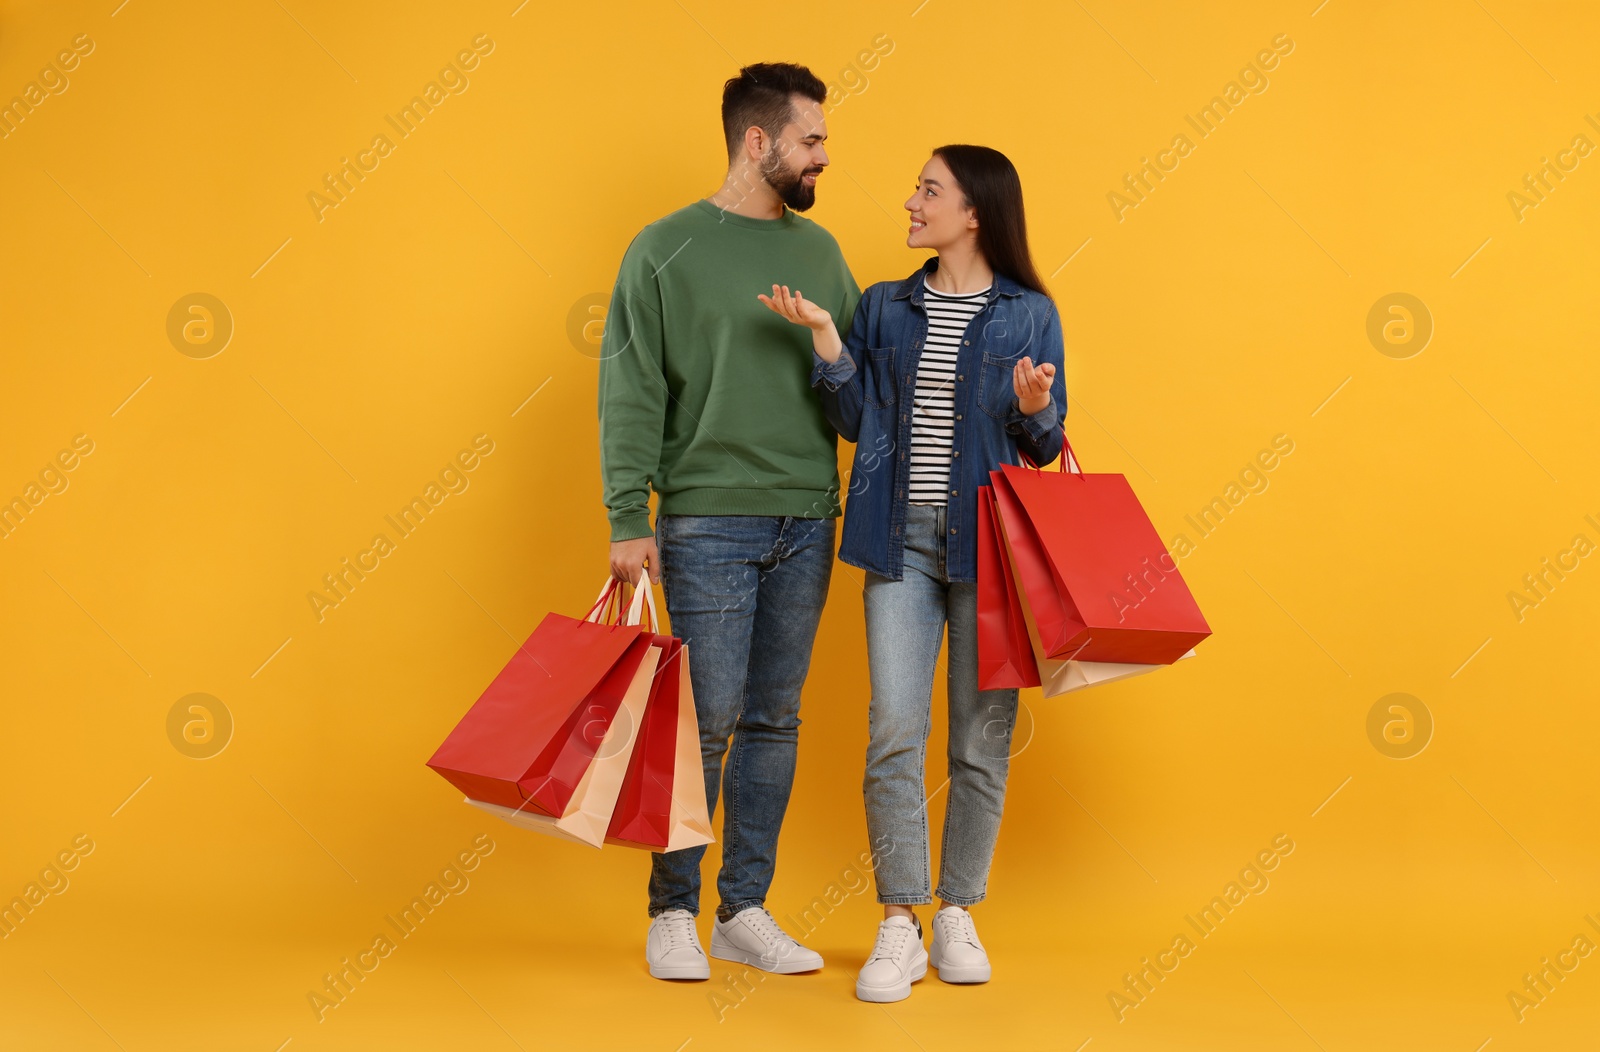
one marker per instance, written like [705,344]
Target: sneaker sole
[898,992]
[723,952]
[681,972]
[971,973]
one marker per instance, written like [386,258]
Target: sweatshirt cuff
[631,526]
[835,374]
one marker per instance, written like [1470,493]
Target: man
[705,397]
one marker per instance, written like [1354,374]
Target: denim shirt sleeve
[838,384]
[1040,435]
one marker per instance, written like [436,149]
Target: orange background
[446,297]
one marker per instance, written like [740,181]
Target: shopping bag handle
[599,611]
[1061,461]
[643,592]
[608,605]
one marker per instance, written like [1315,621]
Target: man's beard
[789,184]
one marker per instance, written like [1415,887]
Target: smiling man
[705,397]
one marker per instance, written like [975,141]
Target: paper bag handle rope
[643,591]
[608,605]
[601,610]
[1061,461]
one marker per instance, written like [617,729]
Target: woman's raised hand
[1032,385]
[795,307]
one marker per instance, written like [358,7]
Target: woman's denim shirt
[869,394]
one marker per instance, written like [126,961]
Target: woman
[945,376]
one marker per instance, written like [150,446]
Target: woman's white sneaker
[752,937]
[672,948]
[956,951]
[897,960]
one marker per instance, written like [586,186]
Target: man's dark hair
[760,96]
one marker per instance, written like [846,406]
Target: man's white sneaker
[897,960]
[956,951]
[673,947]
[752,937]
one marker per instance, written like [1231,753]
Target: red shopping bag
[1058,676]
[1098,581]
[1005,656]
[530,737]
[645,785]
[644,807]
[662,805]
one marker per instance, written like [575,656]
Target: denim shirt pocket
[878,391]
[996,390]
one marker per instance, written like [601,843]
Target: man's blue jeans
[745,594]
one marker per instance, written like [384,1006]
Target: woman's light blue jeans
[906,621]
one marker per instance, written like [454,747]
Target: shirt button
[957,453]
[952,529]
[969,344]
[958,416]
[953,493]
[958,377]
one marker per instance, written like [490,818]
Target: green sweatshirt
[705,393]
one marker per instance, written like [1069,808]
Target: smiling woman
[959,367]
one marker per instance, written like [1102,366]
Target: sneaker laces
[775,937]
[677,930]
[959,927]
[891,941]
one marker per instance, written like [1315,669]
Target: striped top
[933,413]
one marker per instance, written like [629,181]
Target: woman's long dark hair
[992,187]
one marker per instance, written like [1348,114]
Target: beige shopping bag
[691,824]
